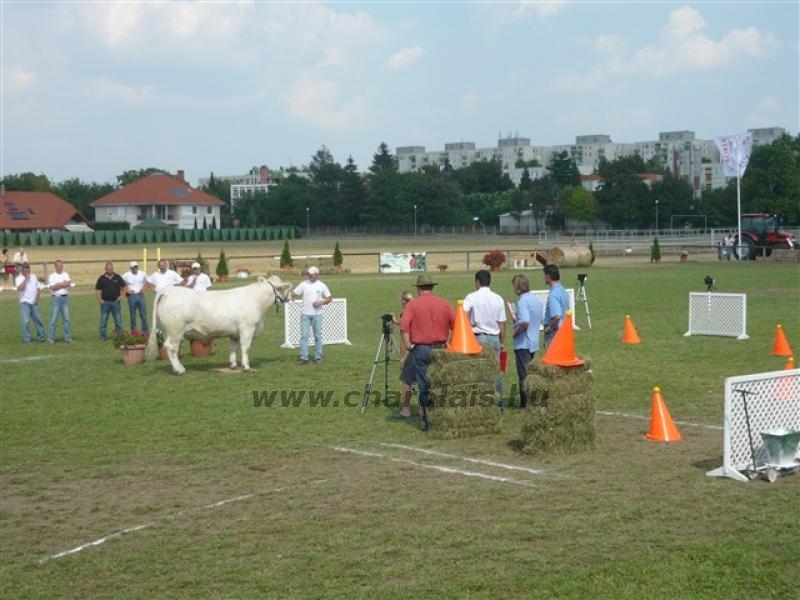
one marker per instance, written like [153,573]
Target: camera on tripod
[388,321]
[582,277]
[709,281]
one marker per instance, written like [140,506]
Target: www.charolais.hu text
[331,399]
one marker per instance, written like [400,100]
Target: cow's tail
[152,342]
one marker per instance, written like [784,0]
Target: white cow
[237,314]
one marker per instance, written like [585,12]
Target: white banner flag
[734,152]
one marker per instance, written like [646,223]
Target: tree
[353,194]
[525,182]
[326,177]
[81,194]
[564,171]
[623,196]
[128,177]
[338,259]
[675,197]
[286,256]
[579,204]
[26,182]
[772,179]
[383,160]
[483,176]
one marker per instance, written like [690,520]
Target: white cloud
[316,100]
[16,79]
[404,58]
[608,44]
[499,15]
[120,92]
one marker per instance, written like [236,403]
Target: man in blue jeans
[59,284]
[315,296]
[27,285]
[108,290]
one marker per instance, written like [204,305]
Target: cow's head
[280,288]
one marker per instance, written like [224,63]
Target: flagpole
[738,200]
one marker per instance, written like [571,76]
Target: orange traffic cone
[463,339]
[629,335]
[662,427]
[789,364]
[781,346]
[561,351]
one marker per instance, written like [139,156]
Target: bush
[495,258]
[286,255]
[655,251]
[338,259]
[222,265]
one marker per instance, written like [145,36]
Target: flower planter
[162,353]
[201,347]
[132,355]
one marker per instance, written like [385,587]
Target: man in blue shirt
[527,319]
[557,303]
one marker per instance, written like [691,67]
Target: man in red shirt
[425,326]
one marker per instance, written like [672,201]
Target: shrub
[495,258]
[129,338]
[222,265]
[338,259]
[591,251]
[286,255]
[655,251]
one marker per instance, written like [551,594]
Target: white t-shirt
[311,291]
[55,278]
[30,292]
[201,282]
[485,309]
[134,282]
[163,280]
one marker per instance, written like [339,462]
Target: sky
[93,89]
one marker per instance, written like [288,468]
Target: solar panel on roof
[180,192]
[19,217]
[30,210]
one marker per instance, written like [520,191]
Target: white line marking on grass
[643,418]
[465,458]
[25,359]
[440,468]
[97,542]
[228,501]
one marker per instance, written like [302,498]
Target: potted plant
[684,255]
[286,256]
[162,352]
[131,345]
[494,259]
[200,347]
[222,267]
[655,252]
[338,259]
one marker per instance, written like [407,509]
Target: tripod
[387,346]
[584,298]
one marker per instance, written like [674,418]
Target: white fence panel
[334,324]
[542,295]
[711,313]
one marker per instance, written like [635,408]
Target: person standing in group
[425,325]
[557,303]
[135,282]
[164,277]
[108,290]
[198,280]
[487,315]
[20,259]
[59,284]
[27,285]
[315,295]
[406,368]
[527,319]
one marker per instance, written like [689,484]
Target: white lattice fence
[773,402]
[711,313]
[542,295]
[334,323]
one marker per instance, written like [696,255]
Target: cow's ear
[261,279]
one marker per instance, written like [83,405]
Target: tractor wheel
[747,251]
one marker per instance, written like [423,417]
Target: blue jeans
[112,307]
[28,313]
[522,357]
[136,304]
[59,305]
[493,342]
[420,358]
[307,322]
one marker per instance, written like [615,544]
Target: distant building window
[120,211]
[161,212]
[187,210]
[209,210]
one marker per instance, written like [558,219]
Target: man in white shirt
[135,282]
[315,295]
[59,284]
[487,315]
[198,280]
[27,285]
[20,258]
[164,277]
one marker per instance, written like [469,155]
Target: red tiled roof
[36,210]
[157,189]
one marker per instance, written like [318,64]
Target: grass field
[188,490]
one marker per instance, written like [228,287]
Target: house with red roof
[162,198]
[38,211]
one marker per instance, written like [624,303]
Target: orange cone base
[662,427]
[463,339]
[789,364]
[629,334]
[561,352]
[781,346]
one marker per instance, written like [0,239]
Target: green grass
[91,447]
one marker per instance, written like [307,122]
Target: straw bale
[561,417]
[452,423]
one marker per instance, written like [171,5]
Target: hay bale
[560,419]
[462,393]
[573,256]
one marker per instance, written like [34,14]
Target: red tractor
[760,235]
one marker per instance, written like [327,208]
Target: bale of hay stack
[463,396]
[571,256]
[560,418]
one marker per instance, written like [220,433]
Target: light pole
[415,221]
[656,216]
[530,219]
[308,223]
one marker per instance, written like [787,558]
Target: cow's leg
[233,344]
[172,346]
[245,339]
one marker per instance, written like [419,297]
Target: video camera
[388,321]
[709,281]
[582,277]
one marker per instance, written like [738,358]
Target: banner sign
[734,152]
[402,262]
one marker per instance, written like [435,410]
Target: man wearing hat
[315,295]
[134,288]
[198,280]
[425,325]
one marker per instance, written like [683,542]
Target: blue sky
[91,89]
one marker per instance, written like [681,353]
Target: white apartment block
[695,161]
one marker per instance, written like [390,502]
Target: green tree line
[327,193]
